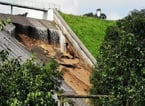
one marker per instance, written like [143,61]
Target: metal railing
[71,99]
[29,4]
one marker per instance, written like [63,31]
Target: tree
[27,84]
[120,72]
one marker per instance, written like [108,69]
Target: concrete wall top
[26,21]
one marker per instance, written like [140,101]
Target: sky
[114,9]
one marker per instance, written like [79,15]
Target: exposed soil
[75,75]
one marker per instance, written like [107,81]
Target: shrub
[120,71]
[29,83]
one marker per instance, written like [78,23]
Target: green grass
[91,31]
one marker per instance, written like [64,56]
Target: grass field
[91,31]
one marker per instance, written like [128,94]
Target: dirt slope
[75,75]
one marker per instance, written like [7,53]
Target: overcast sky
[114,9]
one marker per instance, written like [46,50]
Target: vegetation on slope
[121,63]
[4,22]
[27,84]
[91,31]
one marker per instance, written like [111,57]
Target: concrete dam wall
[27,35]
[56,33]
[8,42]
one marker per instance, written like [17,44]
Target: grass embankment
[91,31]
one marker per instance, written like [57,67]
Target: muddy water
[75,75]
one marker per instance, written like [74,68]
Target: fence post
[61,101]
[45,14]
[11,9]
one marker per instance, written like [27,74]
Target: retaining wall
[77,45]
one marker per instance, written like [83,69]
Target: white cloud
[68,6]
[113,16]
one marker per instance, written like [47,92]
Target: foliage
[4,22]
[27,84]
[91,31]
[120,72]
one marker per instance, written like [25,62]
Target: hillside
[91,31]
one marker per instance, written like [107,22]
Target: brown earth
[75,75]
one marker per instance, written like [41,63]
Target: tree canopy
[120,72]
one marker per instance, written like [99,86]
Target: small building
[98,14]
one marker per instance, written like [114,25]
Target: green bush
[27,84]
[4,22]
[120,72]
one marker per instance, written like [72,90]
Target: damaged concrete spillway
[46,40]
